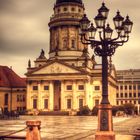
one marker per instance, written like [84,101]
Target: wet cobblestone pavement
[67,127]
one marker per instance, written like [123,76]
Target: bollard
[33,130]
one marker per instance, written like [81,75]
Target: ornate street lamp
[105,47]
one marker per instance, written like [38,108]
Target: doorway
[57,95]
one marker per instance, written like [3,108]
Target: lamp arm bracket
[84,41]
[92,41]
[116,42]
[115,38]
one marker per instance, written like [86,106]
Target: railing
[11,137]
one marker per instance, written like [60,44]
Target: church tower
[64,30]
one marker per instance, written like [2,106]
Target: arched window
[73,43]
[45,103]
[34,103]
[69,103]
[64,43]
[81,103]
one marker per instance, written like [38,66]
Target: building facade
[12,90]
[128,90]
[69,78]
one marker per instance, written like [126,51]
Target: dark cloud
[24,30]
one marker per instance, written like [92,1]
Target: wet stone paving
[66,127]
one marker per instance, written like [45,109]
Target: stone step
[54,113]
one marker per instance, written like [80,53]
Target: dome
[62,1]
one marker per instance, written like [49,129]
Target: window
[138,94]
[97,88]
[23,98]
[46,87]
[130,87]
[96,102]
[35,87]
[121,94]
[24,108]
[45,103]
[125,87]
[34,103]
[58,10]
[6,99]
[117,102]
[134,94]
[125,95]
[68,103]
[130,94]
[72,9]
[18,108]
[121,87]
[134,87]
[69,87]
[18,98]
[121,102]
[64,43]
[65,9]
[125,102]
[134,102]
[138,87]
[73,43]
[80,103]
[117,95]
[79,10]
[80,87]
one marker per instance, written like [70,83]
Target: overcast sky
[24,31]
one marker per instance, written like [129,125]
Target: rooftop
[8,78]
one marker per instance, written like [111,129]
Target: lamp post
[105,47]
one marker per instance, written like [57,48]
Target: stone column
[28,97]
[51,96]
[33,130]
[62,95]
[39,101]
[86,92]
[74,99]
[60,39]
[69,39]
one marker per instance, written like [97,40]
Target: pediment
[57,68]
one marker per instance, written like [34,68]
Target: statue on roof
[42,54]
[29,63]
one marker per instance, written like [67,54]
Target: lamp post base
[105,123]
[105,135]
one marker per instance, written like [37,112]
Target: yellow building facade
[128,90]
[12,90]
[69,78]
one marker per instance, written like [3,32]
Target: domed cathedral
[69,78]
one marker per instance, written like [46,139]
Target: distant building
[12,90]
[128,90]
[69,78]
